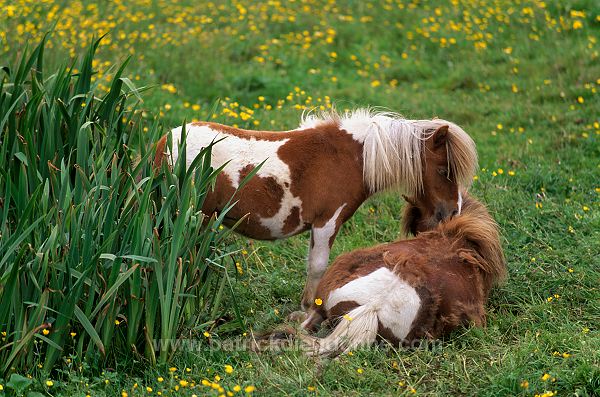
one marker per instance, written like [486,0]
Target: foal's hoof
[297,316]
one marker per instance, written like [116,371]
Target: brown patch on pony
[244,134]
[218,198]
[384,332]
[314,162]
[292,221]
[424,322]
[342,308]
[265,193]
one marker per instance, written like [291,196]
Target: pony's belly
[256,231]
[268,208]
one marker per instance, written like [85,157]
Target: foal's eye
[443,171]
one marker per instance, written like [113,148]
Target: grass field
[522,77]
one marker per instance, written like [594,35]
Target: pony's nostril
[440,215]
[454,213]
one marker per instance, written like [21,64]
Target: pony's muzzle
[442,213]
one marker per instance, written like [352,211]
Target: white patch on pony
[393,299]
[460,201]
[276,222]
[238,153]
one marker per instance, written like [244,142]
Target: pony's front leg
[321,240]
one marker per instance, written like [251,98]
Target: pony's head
[448,163]
[439,197]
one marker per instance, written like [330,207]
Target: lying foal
[411,289]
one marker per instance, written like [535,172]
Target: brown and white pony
[316,176]
[411,289]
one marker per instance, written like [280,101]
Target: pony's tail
[357,328]
[161,154]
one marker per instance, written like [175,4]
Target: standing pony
[412,289]
[316,176]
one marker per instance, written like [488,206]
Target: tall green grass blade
[90,235]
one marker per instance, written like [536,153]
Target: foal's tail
[357,328]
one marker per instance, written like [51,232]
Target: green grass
[544,137]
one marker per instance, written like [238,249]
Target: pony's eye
[443,171]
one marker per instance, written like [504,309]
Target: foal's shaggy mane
[476,226]
[393,146]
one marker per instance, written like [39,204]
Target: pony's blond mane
[393,146]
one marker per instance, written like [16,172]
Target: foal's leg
[318,258]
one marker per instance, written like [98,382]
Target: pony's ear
[440,136]
[410,218]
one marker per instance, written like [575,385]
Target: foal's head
[475,227]
[448,165]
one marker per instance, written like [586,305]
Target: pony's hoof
[297,316]
[308,295]
[307,301]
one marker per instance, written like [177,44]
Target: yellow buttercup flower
[525,384]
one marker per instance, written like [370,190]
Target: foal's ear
[440,136]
